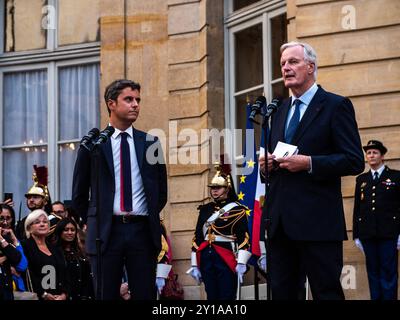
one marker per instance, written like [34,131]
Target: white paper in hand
[283,150]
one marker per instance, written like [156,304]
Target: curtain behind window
[78,113]
[25,126]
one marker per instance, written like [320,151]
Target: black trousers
[320,261]
[381,259]
[130,245]
[219,280]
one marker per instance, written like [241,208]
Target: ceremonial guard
[221,242]
[376,222]
[38,197]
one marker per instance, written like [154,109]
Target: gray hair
[309,53]
[32,217]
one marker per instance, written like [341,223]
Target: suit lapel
[138,139]
[312,111]
[107,150]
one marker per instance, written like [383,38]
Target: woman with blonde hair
[45,262]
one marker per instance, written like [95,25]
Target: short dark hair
[114,89]
[58,202]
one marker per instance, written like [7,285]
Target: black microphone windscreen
[93,133]
[105,134]
[261,99]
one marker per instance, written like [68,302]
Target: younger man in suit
[132,192]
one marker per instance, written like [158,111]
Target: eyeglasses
[5,218]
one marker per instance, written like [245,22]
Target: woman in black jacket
[78,266]
[46,263]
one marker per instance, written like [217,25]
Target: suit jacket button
[373,194]
[394,218]
[373,208]
[359,219]
[373,188]
[373,201]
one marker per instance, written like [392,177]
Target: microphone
[104,135]
[272,107]
[256,108]
[87,141]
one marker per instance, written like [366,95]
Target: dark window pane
[279,90]
[241,117]
[248,58]
[239,4]
[278,37]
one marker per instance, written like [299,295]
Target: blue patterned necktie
[125,174]
[294,122]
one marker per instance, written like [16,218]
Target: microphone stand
[267,220]
[99,262]
[266,112]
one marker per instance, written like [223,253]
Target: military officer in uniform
[220,247]
[376,222]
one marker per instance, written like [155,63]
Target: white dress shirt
[139,203]
[305,99]
[380,170]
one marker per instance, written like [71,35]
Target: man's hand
[261,161]
[195,274]
[160,284]
[62,296]
[124,291]
[262,262]
[241,269]
[295,163]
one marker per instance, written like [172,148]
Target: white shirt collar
[307,96]
[380,170]
[116,133]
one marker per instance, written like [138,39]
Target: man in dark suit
[304,209]
[376,222]
[132,192]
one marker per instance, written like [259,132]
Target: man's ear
[311,68]
[111,104]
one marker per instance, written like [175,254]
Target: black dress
[41,269]
[79,276]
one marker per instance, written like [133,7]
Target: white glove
[262,262]
[398,243]
[241,269]
[160,283]
[359,244]
[195,274]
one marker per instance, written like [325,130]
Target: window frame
[51,58]
[52,144]
[260,12]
